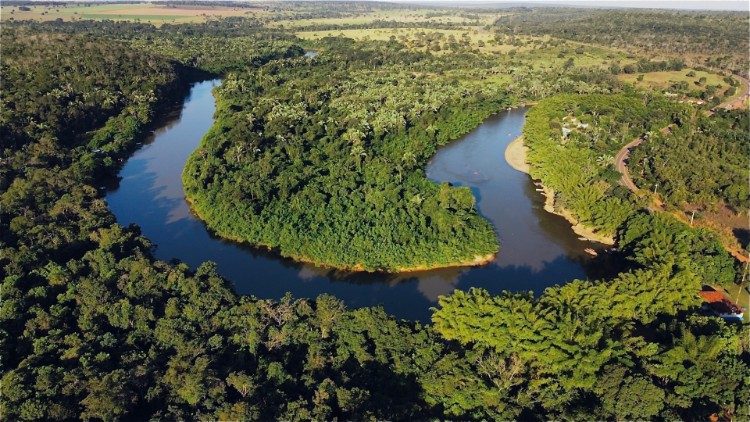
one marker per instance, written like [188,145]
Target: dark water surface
[537,249]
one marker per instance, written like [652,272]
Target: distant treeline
[380,23]
[643,66]
[715,39]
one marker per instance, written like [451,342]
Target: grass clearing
[664,80]
[684,83]
[539,52]
[143,12]
[591,56]
[405,16]
[693,85]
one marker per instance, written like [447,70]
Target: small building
[720,305]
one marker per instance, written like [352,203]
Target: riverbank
[578,228]
[477,261]
[515,156]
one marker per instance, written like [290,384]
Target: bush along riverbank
[515,156]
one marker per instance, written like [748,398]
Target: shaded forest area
[92,326]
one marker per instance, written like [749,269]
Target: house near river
[719,304]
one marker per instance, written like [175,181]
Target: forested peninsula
[329,169]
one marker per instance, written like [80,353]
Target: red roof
[718,302]
[711,296]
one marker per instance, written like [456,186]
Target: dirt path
[741,100]
[655,203]
[622,167]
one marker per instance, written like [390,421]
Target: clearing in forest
[143,12]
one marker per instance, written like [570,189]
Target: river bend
[537,249]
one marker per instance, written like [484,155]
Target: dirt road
[741,100]
[622,167]
[655,203]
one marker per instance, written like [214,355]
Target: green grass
[740,296]
[665,79]
[527,48]
[416,37]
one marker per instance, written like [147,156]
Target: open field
[472,35]
[428,38]
[405,16]
[591,56]
[540,52]
[276,17]
[667,78]
[152,13]
[682,82]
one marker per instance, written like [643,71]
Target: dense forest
[329,166]
[93,327]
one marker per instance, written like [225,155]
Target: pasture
[402,16]
[667,78]
[436,40]
[141,12]
[685,82]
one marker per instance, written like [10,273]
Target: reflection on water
[529,236]
[537,249]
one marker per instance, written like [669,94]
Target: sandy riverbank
[578,228]
[477,261]
[515,156]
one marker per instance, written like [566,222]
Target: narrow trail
[655,203]
[622,167]
[740,101]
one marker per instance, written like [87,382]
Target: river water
[537,249]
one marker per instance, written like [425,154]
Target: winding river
[537,249]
